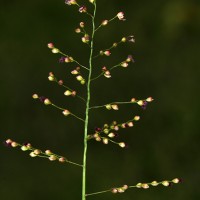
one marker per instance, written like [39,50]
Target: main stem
[87,108]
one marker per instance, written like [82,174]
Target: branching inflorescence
[108,132]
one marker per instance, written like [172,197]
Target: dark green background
[163,145]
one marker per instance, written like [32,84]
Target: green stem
[87,108]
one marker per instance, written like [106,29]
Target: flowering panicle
[108,133]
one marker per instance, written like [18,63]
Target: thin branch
[108,22]
[141,102]
[97,76]
[70,90]
[77,117]
[102,73]
[110,140]
[67,161]
[70,112]
[115,66]
[107,49]
[39,153]
[123,188]
[74,60]
[128,102]
[89,14]
[90,194]
[73,163]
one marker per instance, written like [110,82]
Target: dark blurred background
[162,145]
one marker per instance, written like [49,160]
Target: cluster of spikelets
[86,38]
[35,152]
[39,153]
[122,189]
[105,71]
[108,132]
[165,183]
[54,157]
[70,92]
